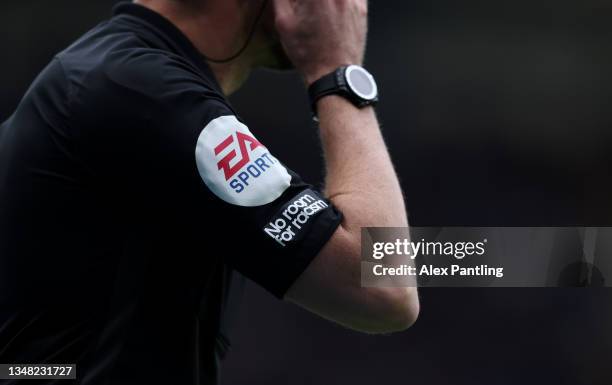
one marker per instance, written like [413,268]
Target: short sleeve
[217,174]
[282,221]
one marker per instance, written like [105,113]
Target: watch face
[361,82]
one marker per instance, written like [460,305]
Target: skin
[316,37]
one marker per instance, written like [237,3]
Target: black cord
[248,40]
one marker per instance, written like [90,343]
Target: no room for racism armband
[295,217]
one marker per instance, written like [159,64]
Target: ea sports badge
[236,167]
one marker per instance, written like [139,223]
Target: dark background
[496,113]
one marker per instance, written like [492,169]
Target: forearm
[362,184]
[361,180]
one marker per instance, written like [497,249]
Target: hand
[322,35]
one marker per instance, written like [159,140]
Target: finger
[283,9]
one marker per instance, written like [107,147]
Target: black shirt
[129,192]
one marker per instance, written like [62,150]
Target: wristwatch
[351,82]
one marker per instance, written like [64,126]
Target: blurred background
[496,113]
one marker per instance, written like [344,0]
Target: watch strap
[331,84]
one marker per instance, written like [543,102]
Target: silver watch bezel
[347,76]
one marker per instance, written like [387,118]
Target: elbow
[392,310]
[406,310]
[403,309]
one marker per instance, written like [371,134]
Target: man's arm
[362,184]
[320,36]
